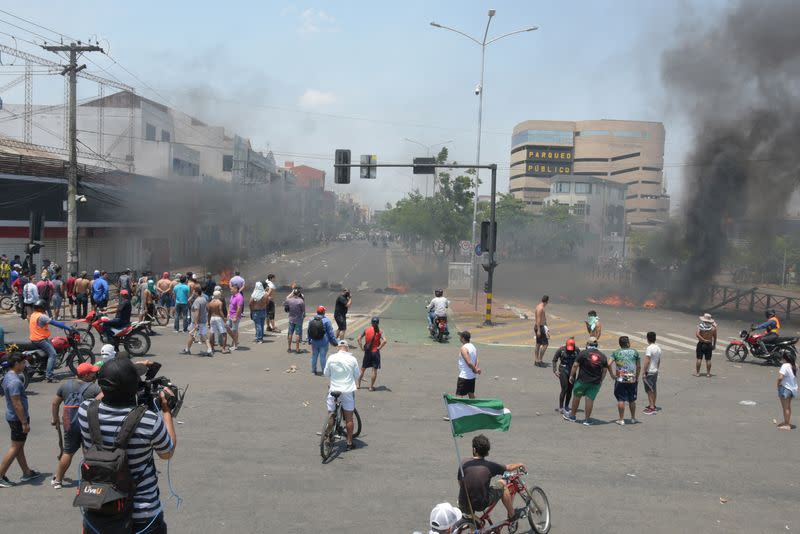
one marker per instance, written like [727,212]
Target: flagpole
[458,455]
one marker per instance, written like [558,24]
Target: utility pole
[72,173]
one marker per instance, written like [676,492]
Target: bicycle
[334,426]
[537,510]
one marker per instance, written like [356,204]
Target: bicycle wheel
[466,526]
[538,510]
[162,316]
[79,356]
[326,440]
[6,303]
[87,337]
[356,424]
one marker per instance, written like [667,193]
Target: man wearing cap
[562,365]
[587,375]
[83,388]
[371,341]
[444,517]
[706,342]
[342,368]
[99,290]
[319,345]
[18,419]
[468,369]
[119,382]
[628,368]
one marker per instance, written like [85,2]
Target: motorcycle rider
[39,329]
[123,316]
[437,307]
[773,328]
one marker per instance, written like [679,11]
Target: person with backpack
[320,334]
[375,341]
[72,393]
[45,289]
[118,490]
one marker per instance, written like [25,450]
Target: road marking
[676,343]
[668,343]
[315,284]
[693,340]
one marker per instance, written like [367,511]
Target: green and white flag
[469,415]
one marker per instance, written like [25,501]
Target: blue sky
[295,76]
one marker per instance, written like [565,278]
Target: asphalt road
[248,454]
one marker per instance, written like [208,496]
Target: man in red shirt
[375,341]
[70,286]
[45,289]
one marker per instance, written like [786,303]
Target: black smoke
[738,81]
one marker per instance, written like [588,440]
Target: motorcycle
[68,350]
[133,337]
[737,350]
[438,329]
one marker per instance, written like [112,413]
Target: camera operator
[119,382]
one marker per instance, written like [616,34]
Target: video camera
[151,386]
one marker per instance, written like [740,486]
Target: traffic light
[367,171]
[485,236]
[342,174]
[32,248]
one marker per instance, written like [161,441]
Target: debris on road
[747,403]
[723,500]
[291,369]
[630,475]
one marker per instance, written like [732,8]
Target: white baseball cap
[343,343]
[444,516]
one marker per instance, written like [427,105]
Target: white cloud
[313,98]
[315,21]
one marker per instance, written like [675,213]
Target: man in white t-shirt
[652,362]
[468,368]
[343,370]
[437,307]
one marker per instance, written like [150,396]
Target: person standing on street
[706,342]
[319,335]
[342,369]
[181,292]
[124,281]
[593,326]
[163,287]
[787,387]
[295,306]
[209,285]
[18,419]
[99,291]
[540,332]
[199,323]
[375,341]
[216,322]
[237,281]
[271,288]
[343,303]
[562,365]
[69,287]
[258,310]
[45,288]
[58,295]
[468,369]
[72,393]
[30,294]
[652,362]
[235,311]
[5,274]
[628,368]
[82,288]
[587,375]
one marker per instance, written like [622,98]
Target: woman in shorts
[787,387]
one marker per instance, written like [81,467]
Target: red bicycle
[537,510]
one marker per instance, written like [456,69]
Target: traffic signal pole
[492,246]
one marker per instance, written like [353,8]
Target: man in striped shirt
[119,381]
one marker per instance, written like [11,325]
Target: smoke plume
[738,82]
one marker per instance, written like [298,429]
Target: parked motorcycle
[68,350]
[439,330]
[134,337]
[737,350]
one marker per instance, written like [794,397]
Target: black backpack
[107,486]
[316,329]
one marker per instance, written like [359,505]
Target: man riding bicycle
[342,368]
[437,307]
[476,481]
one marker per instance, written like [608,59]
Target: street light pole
[479,91]
[428,149]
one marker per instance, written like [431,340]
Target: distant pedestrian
[587,375]
[540,332]
[18,419]
[99,291]
[706,342]
[258,310]
[295,306]
[343,303]
[371,341]
[125,282]
[174,282]
[628,368]
[181,292]
[216,321]
[82,290]
[271,289]
[593,325]
[209,285]
[69,287]
[163,288]
[787,387]
[199,323]
[652,363]
[468,366]
[58,296]
[30,294]
[235,311]
[320,336]
[45,289]
[562,366]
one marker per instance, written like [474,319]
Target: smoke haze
[738,82]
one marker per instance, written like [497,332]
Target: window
[227,163]
[165,136]
[149,132]
[623,171]
[561,187]
[185,168]
[583,188]
[608,133]
[626,156]
[542,137]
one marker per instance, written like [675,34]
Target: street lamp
[479,91]
[428,153]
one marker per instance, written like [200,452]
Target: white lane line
[689,339]
[661,341]
[672,342]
